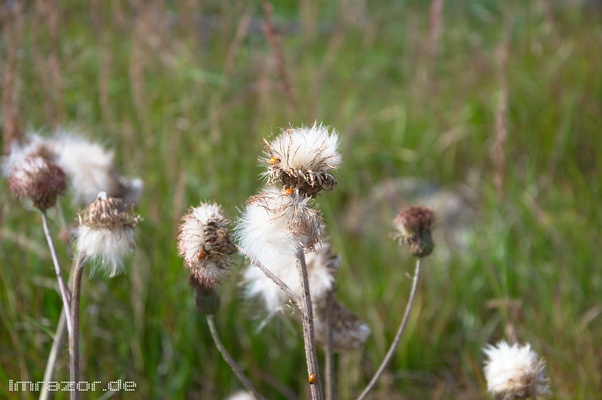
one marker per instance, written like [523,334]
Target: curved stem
[289,292]
[308,329]
[74,339]
[233,365]
[399,334]
[57,268]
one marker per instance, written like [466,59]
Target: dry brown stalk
[277,54]
[501,129]
[241,33]
[435,27]
[54,64]
[12,22]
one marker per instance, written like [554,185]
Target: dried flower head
[91,169]
[302,158]
[36,178]
[284,219]
[273,225]
[205,242]
[348,330]
[414,225]
[32,174]
[514,372]
[105,232]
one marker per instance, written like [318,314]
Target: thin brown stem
[57,268]
[399,334]
[289,292]
[233,365]
[329,356]
[78,273]
[307,318]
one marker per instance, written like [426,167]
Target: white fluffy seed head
[90,166]
[105,233]
[241,395]
[276,222]
[205,242]
[514,372]
[302,158]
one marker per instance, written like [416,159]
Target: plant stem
[399,334]
[329,357]
[289,292]
[235,368]
[74,338]
[308,328]
[57,343]
[57,268]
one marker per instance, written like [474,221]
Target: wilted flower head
[204,242]
[284,217]
[302,158]
[514,372]
[348,330]
[414,225]
[273,225]
[105,232]
[91,169]
[32,176]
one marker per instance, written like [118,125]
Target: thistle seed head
[105,232]
[302,158]
[205,242]
[414,225]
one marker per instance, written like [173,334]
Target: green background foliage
[184,93]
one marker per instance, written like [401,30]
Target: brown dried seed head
[414,225]
[37,179]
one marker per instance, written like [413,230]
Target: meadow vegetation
[501,100]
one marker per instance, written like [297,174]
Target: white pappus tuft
[302,158]
[514,372]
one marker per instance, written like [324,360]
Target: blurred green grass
[185,103]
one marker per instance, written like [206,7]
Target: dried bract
[105,232]
[205,242]
[302,158]
[414,225]
[36,178]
